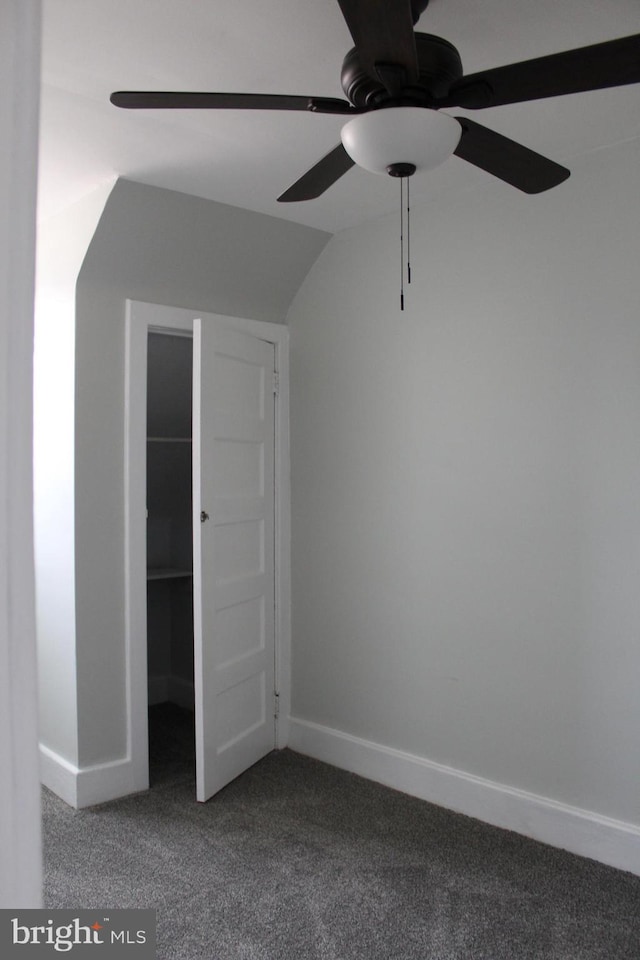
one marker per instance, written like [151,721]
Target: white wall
[62,245]
[20,857]
[466,520]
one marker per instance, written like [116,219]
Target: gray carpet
[296,860]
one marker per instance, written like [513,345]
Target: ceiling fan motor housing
[439,65]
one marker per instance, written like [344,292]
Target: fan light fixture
[401,140]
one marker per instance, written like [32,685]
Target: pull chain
[408,235]
[403,171]
[402,232]
[402,243]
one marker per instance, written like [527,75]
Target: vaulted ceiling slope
[168,247]
[247,158]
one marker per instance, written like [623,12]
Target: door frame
[140,319]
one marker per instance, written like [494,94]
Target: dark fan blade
[382,32]
[323,175]
[614,63]
[506,159]
[167,100]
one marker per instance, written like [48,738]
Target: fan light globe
[394,135]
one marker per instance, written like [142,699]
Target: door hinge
[276,705]
[276,382]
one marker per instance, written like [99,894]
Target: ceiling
[247,158]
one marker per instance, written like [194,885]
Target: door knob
[203,516]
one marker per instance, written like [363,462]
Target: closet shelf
[167,573]
[168,439]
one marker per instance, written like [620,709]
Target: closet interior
[169,544]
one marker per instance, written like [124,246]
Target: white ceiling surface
[248,158]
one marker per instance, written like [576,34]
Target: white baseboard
[87,786]
[613,842]
[60,776]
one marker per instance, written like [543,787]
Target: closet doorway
[169,512]
[207,507]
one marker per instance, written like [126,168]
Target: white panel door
[233,470]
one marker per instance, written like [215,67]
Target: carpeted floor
[296,860]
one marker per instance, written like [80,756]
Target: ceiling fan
[397,81]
